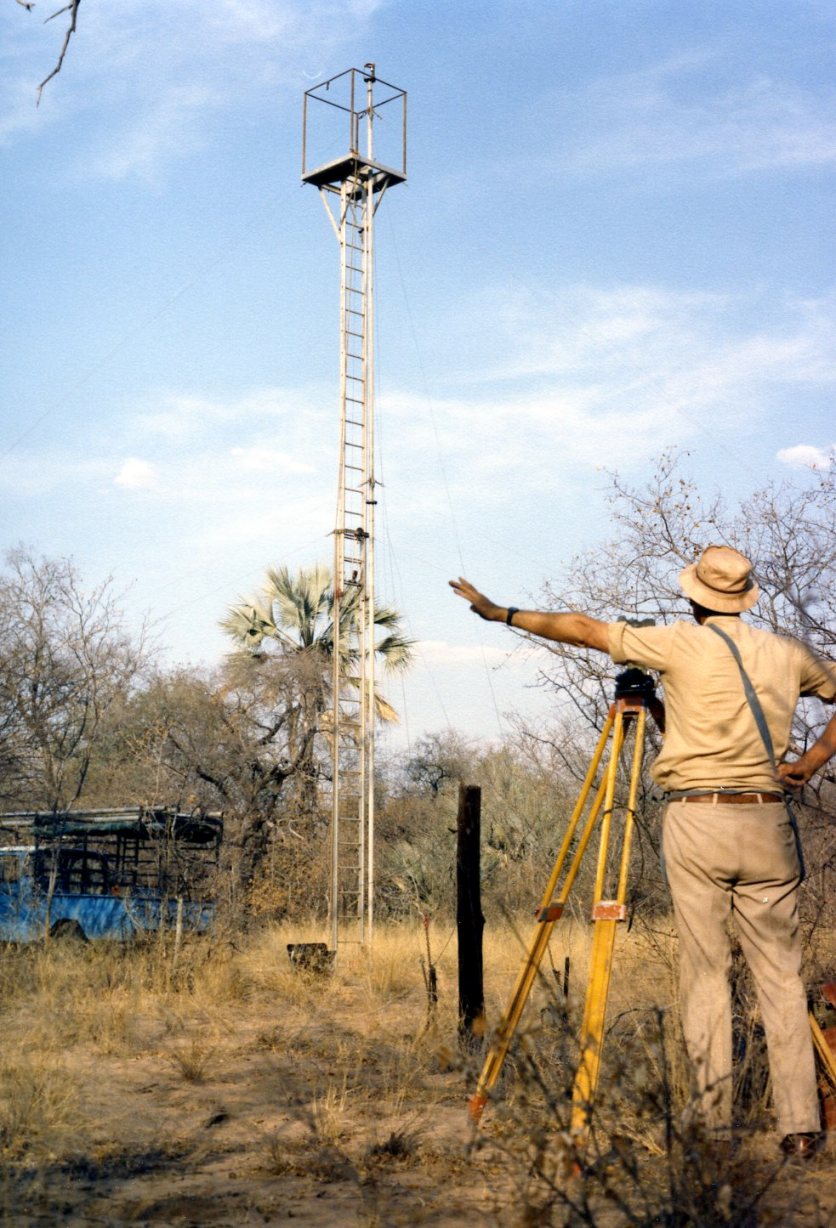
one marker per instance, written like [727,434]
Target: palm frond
[248,624]
[384,710]
[386,616]
[395,651]
[300,600]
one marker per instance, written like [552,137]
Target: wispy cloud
[597,373]
[595,376]
[157,73]
[256,470]
[264,459]
[171,125]
[681,111]
[443,653]
[189,415]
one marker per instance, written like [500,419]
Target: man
[728,843]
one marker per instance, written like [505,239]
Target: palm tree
[295,614]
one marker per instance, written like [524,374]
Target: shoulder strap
[751,695]
[763,730]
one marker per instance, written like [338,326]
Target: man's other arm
[569,628]
[798,773]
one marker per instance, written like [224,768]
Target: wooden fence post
[469,919]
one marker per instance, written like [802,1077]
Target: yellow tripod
[633,695]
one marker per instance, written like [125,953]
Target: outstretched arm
[798,773]
[569,628]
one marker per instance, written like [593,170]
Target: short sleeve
[817,677]
[648,647]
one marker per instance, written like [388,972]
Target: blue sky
[616,237]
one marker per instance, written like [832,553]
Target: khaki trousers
[740,861]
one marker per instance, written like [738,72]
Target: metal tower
[351,186]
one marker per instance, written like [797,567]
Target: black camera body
[635,682]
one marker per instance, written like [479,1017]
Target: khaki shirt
[711,739]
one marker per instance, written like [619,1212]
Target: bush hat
[721,580]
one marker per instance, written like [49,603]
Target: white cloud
[135,474]
[806,456]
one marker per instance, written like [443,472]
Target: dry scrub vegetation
[229,1088]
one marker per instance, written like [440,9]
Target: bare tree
[65,661]
[787,529]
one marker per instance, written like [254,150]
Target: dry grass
[241,1089]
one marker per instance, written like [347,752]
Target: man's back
[711,737]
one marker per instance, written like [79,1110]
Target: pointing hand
[479,603]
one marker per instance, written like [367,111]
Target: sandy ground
[321,1104]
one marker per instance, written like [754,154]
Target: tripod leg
[607,914]
[592,1031]
[540,939]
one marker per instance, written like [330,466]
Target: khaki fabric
[711,739]
[739,863]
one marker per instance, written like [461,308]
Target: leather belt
[734,799]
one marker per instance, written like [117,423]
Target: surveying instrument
[634,695]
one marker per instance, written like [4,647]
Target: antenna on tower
[347,113]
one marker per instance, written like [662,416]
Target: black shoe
[801,1146]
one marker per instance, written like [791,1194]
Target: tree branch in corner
[72,9]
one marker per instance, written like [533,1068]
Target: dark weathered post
[469,919]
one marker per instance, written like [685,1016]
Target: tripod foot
[475,1105]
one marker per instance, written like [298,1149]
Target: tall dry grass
[341,1073]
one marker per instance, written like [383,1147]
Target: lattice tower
[352,187]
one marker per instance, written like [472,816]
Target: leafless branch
[72,9]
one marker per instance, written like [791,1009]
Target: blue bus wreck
[106,874]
